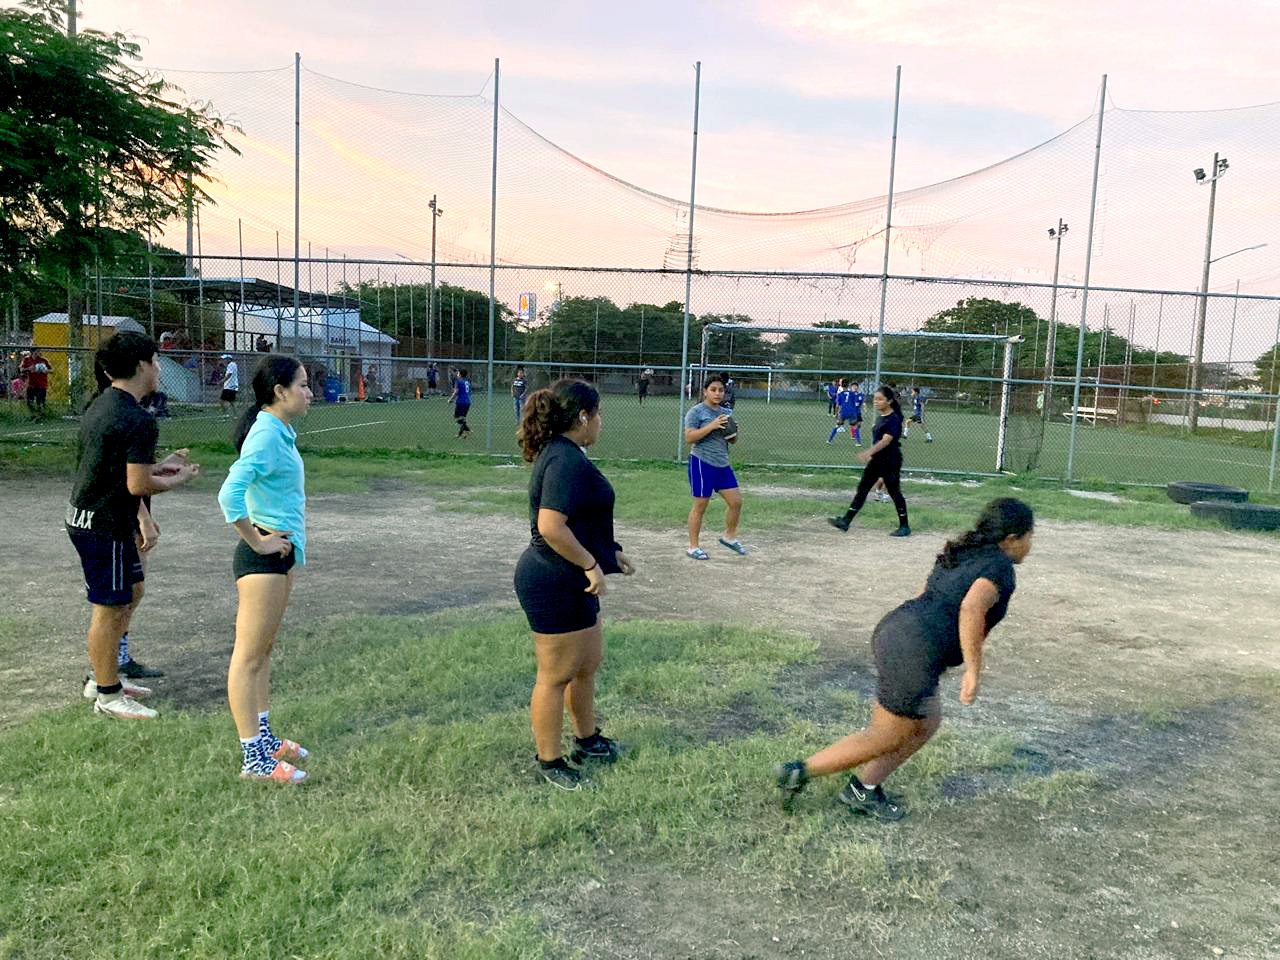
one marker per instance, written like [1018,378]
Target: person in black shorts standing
[642,384]
[560,576]
[115,470]
[966,595]
[883,461]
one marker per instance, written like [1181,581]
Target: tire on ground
[1239,516]
[1188,491]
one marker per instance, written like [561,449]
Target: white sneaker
[123,708]
[128,688]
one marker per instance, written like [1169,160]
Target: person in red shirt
[34,369]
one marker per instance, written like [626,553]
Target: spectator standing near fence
[230,385]
[560,577]
[461,400]
[519,385]
[34,369]
[264,498]
[115,469]
[642,384]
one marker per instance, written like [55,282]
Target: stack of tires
[1230,506]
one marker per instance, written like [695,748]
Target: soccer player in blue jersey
[918,400]
[857,402]
[461,398]
[833,388]
[846,412]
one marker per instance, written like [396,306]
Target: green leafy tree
[92,150]
[1267,370]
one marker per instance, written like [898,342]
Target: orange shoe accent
[291,751]
[283,773]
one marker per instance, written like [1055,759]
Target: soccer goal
[966,377]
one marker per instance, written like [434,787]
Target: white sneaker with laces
[123,708]
[129,688]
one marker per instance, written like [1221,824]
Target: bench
[1093,414]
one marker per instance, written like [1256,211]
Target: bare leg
[695,518]
[559,657]
[106,626]
[733,512]
[582,688]
[263,598]
[886,734]
[878,770]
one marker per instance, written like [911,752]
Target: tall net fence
[590,279]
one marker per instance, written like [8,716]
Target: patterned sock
[269,740]
[122,655]
[256,758]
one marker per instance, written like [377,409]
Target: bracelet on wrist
[590,568]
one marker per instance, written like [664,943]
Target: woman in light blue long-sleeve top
[264,498]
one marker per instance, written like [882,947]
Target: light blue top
[267,483]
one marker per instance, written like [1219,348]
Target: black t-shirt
[564,480]
[892,426]
[939,605]
[518,386]
[114,432]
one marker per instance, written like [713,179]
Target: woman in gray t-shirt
[709,431]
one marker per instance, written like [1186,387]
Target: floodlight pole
[1005,387]
[1051,346]
[493,258]
[297,194]
[688,271]
[888,226]
[1084,297]
[436,213]
[1193,415]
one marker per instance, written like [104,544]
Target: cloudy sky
[796,113]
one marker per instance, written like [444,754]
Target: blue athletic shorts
[111,568]
[704,479]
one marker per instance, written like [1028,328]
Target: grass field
[777,433]
[1053,819]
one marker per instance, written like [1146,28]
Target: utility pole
[1051,343]
[1216,171]
[436,213]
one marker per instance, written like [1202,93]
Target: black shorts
[908,665]
[553,595]
[229,395]
[111,567]
[460,411]
[247,561]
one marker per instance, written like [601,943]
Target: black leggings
[881,469]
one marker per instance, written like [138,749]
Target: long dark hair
[1003,517]
[892,397]
[551,411]
[275,370]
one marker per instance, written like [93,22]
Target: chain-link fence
[384,348]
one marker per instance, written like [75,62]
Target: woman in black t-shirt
[966,595]
[560,576]
[883,462]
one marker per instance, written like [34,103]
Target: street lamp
[436,213]
[1218,169]
[1056,234]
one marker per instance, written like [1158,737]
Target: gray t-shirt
[713,449]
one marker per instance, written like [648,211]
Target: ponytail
[1003,517]
[551,411]
[275,370]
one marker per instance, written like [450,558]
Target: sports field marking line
[349,426]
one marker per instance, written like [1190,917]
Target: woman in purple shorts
[709,471]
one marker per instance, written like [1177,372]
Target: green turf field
[787,432]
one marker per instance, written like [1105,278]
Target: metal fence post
[688,273]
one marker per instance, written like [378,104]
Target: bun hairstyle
[889,394]
[551,411]
[275,370]
[1003,517]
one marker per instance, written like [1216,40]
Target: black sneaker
[840,523]
[596,748]
[901,532]
[134,670]
[792,777]
[871,801]
[560,774]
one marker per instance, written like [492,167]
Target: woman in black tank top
[966,595]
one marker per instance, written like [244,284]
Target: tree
[91,150]
[1267,368]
